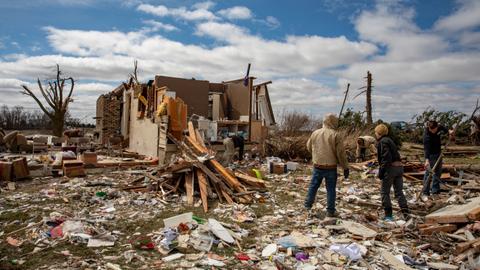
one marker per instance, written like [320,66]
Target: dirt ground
[276,213]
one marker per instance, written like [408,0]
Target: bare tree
[369,98]
[368,91]
[475,125]
[56,105]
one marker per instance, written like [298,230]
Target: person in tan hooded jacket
[326,146]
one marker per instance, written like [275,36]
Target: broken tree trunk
[369,99]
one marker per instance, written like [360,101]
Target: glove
[346,173]
[381,173]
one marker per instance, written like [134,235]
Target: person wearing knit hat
[390,172]
[381,130]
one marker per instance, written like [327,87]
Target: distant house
[143,114]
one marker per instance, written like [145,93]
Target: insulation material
[177,112]
[264,107]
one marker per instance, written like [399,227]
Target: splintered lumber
[250,180]
[199,138]
[472,251]
[202,183]
[438,228]
[456,213]
[394,262]
[231,180]
[212,176]
[189,187]
[442,266]
[191,131]
[462,247]
[463,167]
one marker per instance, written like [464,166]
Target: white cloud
[83,43]
[236,13]
[200,12]
[272,22]
[412,55]
[204,5]
[466,17]
[156,26]
[414,68]
[109,55]
[393,26]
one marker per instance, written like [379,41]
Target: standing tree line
[18,118]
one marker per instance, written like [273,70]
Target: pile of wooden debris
[198,170]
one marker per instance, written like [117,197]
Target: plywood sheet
[193,92]
[143,136]
[394,262]
[455,213]
[257,132]
[238,100]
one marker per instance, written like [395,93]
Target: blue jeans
[330,176]
[432,159]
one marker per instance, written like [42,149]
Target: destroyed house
[143,114]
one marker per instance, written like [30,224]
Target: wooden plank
[394,262]
[438,228]
[217,190]
[455,213]
[227,196]
[202,183]
[474,214]
[465,254]
[250,180]
[410,177]
[231,180]
[199,138]
[189,187]
[213,177]
[191,132]
[462,247]
[441,266]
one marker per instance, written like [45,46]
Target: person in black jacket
[231,143]
[432,145]
[390,172]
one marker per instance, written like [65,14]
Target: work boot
[332,214]
[388,219]
[388,214]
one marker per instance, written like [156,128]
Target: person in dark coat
[432,145]
[231,143]
[390,172]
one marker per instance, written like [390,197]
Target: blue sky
[421,53]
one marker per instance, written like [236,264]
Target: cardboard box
[89,158]
[20,168]
[5,171]
[279,168]
[73,168]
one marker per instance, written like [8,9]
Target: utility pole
[344,99]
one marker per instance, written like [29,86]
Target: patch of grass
[48,256]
